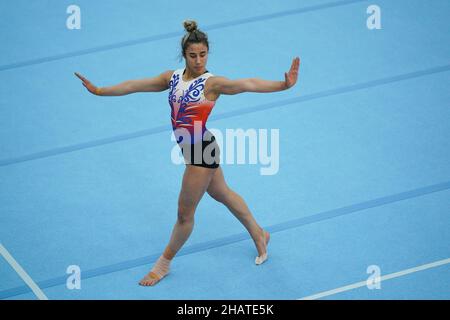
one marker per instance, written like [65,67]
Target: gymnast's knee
[221,196]
[185,214]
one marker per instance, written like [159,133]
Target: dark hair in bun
[193,35]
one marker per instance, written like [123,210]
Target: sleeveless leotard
[188,103]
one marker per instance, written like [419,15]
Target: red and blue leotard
[189,107]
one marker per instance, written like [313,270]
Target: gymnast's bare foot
[261,246]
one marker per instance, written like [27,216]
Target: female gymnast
[193,92]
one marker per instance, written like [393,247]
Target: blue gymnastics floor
[364,151]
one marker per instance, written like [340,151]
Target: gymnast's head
[194,48]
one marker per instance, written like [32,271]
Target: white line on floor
[383,278]
[21,272]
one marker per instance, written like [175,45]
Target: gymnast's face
[196,57]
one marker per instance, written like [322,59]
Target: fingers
[295,66]
[292,65]
[296,63]
[85,82]
[81,77]
[292,75]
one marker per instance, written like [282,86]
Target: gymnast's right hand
[92,89]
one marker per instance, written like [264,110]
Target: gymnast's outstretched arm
[222,85]
[155,84]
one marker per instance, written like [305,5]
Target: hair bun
[190,25]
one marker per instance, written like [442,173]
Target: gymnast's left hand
[292,75]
